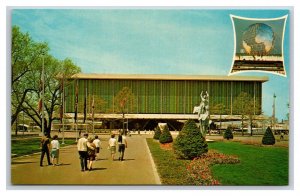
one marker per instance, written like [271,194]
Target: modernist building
[157,98]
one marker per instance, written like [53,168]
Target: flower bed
[199,169]
[167,146]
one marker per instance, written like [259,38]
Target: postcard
[196,97]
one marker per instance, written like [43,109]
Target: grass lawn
[258,165]
[28,146]
[171,170]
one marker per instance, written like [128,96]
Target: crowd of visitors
[88,149]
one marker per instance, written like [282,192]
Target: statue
[203,112]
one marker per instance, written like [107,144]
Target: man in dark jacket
[45,146]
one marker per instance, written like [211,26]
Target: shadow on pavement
[63,164]
[94,169]
[125,160]
[101,159]
[24,162]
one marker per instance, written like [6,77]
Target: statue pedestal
[209,140]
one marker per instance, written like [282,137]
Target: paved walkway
[137,168]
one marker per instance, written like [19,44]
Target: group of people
[51,149]
[89,148]
[122,144]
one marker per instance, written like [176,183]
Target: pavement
[137,168]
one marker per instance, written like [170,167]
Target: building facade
[170,97]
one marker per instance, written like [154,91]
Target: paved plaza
[137,169]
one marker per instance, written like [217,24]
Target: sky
[152,41]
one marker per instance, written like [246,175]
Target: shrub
[190,143]
[157,133]
[165,136]
[268,138]
[228,133]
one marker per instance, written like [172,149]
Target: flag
[76,100]
[40,102]
[40,106]
[93,108]
[61,113]
[84,108]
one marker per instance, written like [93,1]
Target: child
[97,144]
[54,150]
[112,143]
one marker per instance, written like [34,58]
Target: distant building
[158,98]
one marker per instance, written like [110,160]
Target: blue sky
[158,41]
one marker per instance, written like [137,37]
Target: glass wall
[160,96]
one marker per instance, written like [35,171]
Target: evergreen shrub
[190,143]
[228,133]
[165,136]
[268,138]
[157,133]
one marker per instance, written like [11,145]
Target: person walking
[91,149]
[282,136]
[82,150]
[54,150]
[112,143]
[97,143]
[45,146]
[122,143]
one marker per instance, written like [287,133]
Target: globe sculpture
[258,39]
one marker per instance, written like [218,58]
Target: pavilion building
[157,98]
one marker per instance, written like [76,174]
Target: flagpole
[76,131]
[85,110]
[93,107]
[84,107]
[63,105]
[76,110]
[43,91]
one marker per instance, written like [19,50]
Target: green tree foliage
[165,136]
[28,58]
[228,133]
[99,102]
[268,138]
[157,133]
[25,55]
[124,102]
[190,143]
[219,109]
[245,105]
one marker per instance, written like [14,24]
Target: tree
[99,102]
[245,105]
[157,133]
[268,138]
[219,109]
[124,102]
[53,68]
[27,82]
[25,54]
[165,136]
[190,143]
[288,114]
[228,133]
